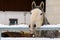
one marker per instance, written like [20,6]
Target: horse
[37,17]
[37,20]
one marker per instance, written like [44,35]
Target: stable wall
[5,16]
[53,11]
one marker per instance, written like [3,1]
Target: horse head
[37,16]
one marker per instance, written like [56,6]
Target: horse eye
[41,13]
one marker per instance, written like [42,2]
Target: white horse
[37,17]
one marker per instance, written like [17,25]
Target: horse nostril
[41,14]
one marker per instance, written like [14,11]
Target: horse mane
[45,21]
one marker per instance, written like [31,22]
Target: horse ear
[42,5]
[33,4]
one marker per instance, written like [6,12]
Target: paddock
[18,28]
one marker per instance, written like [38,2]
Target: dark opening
[13,21]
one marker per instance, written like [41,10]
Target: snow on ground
[30,38]
[13,26]
[23,25]
[27,26]
[51,26]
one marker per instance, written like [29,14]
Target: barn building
[18,11]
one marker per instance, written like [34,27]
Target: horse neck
[45,21]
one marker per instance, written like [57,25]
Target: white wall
[53,11]
[4,17]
